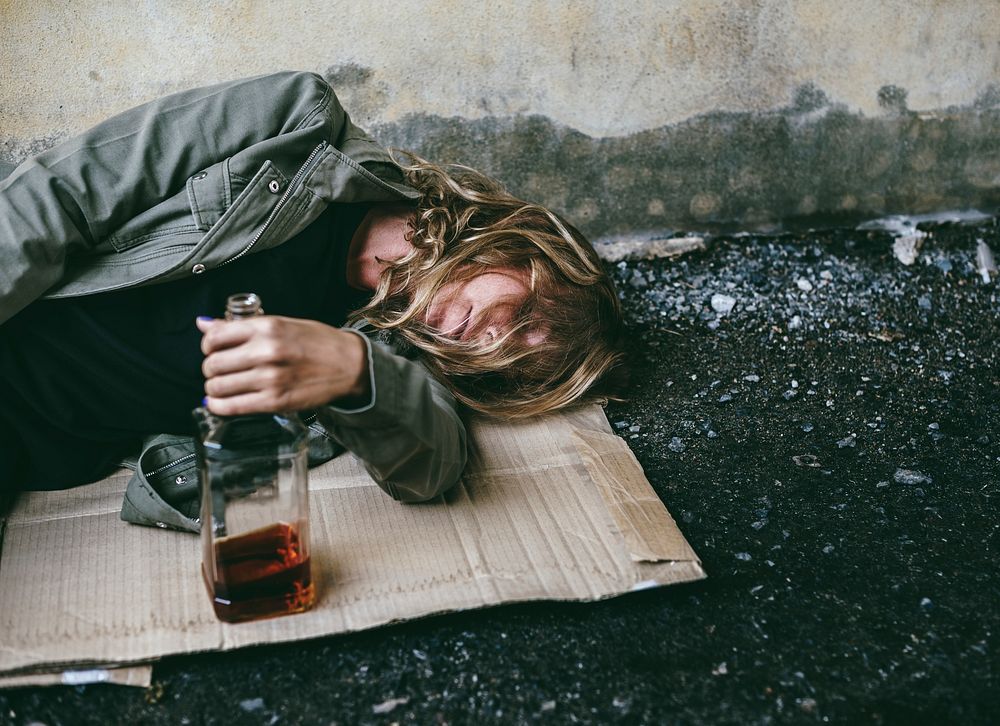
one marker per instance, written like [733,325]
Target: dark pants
[37,455]
[11,461]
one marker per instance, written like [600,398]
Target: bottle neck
[243,305]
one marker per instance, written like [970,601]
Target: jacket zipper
[168,465]
[281,202]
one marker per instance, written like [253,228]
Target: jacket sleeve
[409,434]
[65,201]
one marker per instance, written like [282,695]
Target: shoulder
[284,87]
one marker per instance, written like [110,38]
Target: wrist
[359,392]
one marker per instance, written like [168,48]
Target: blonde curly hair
[467,224]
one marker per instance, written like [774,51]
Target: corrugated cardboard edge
[650,533]
[139,676]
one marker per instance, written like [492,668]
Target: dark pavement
[830,447]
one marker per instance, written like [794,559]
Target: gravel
[851,554]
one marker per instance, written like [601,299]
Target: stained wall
[627,116]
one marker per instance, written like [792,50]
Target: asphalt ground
[824,424]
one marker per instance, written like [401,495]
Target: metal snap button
[200,175]
[273,186]
[198,269]
[180,479]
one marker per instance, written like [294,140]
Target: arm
[408,434]
[387,410]
[69,199]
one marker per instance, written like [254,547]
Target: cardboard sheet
[556,508]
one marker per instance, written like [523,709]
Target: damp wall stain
[812,162]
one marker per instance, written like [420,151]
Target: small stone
[910,477]
[828,549]
[794,384]
[848,441]
[907,247]
[807,705]
[712,435]
[882,485]
[751,378]
[759,524]
[826,275]
[803,284]
[806,460]
[795,323]
[725,398]
[621,424]
[743,556]
[926,603]
[687,516]
[549,706]
[723,304]
[924,301]
[789,394]
[720,670]
[807,426]
[676,445]
[933,426]
[634,428]
[390,705]
[252,704]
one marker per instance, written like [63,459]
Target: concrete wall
[629,116]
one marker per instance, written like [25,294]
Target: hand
[270,363]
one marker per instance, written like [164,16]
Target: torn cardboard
[554,508]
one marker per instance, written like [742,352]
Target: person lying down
[398,296]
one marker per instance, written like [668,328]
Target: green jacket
[196,180]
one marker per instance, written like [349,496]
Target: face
[484,306]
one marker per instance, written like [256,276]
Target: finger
[248,381]
[222,334]
[256,402]
[241,358]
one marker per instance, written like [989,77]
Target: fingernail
[204,401]
[204,318]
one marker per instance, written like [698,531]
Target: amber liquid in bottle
[261,574]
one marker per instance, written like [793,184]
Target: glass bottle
[253,476]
